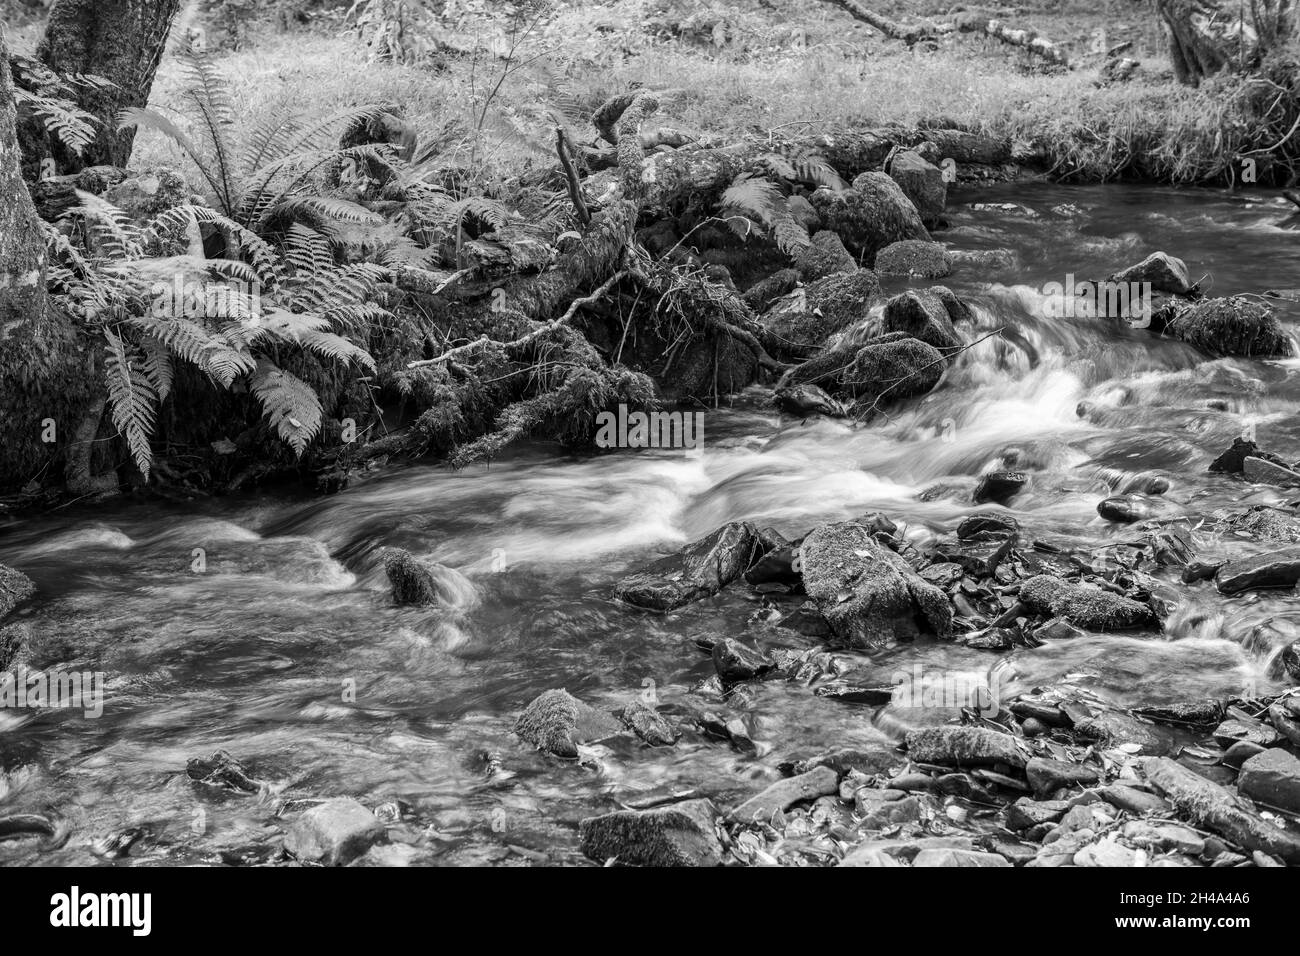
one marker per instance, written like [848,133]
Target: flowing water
[285,649]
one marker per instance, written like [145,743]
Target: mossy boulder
[824,256]
[801,323]
[922,182]
[15,587]
[557,722]
[922,315]
[1084,605]
[1234,326]
[891,370]
[702,568]
[683,834]
[915,258]
[870,215]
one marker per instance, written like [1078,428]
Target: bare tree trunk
[22,244]
[119,40]
[1206,36]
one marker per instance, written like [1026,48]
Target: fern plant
[231,320]
[51,100]
[758,199]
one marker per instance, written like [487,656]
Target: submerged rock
[1084,605]
[682,834]
[736,662]
[557,722]
[650,725]
[866,592]
[1276,569]
[702,568]
[413,581]
[15,587]
[914,257]
[333,833]
[870,215]
[782,795]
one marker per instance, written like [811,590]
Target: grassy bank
[806,65]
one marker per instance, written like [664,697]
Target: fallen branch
[1025,39]
[895,31]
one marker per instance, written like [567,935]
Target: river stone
[1047,776]
[1263,524]
[958,858]
[1027,813]
[776,567]
[682,834]
[1083,605]
[736,662]
[1284,722]
[899,368]
[1105,853]
[782,795]
[648,724]
[15,587]
[1235,326]
[824,256]
[922,182]
[413,581]
[1234,729]
[1133,800]
[866,592]
[988,525]
[702,568]
[914,257]
[999,487]
[1264,472]
[882,809]
[1218,809]
[980,558]
[333,833]
[764,292]
[798,325]
[1289,660]
[922,315]
[805,400]
[1164,836]
[1165,273]
[1240,752]
[1233,459]
[557,722]
[1114,728]
[963,746]
[869,215]
[874,852]
[1272,778]
[1276,569]
[1125,509]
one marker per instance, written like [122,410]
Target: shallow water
[285,648]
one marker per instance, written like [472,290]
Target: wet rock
[870,215]
[891,370]
[1265,472]
[914,257]
[824,256]
[1105,853]
[1132,800]
[922,182]
[333,833]
[1272,778]
[766,291]
[1233,459]
[922,315]
[1163,836]
[650,725]
[1264,524]
[782,795]
[1057,629]
[882,809]
[1286,723]
[1290,660]
[736,662]
[958,858]
[801,323]
[944,574]
[977,558]
[1049,714]
[1240,752]
[999,487]
[222,771]
[1164,272]
[1276,569]
[1192,712]
[806,400]
[1026,813]
[777,567]
[1236,728]
[866,592]
[1047,776]
[1216,808]
[1115,729]
[963,746]
[1235,326]
[988,525]
[412,580]
[1084,605]
[856,694]
[898,851]
[1125,509]
[845,759]
[15,587]
[556,722]
[1201,571]
[682,834]
[698,570]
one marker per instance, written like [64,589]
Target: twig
[571,176]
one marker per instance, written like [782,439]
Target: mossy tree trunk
[1207,36]
[44,386]
[119,40]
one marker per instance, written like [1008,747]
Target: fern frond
[290,403]
[132,401]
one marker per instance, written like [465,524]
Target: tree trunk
[44,385]
[1206,36]
[119,40]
